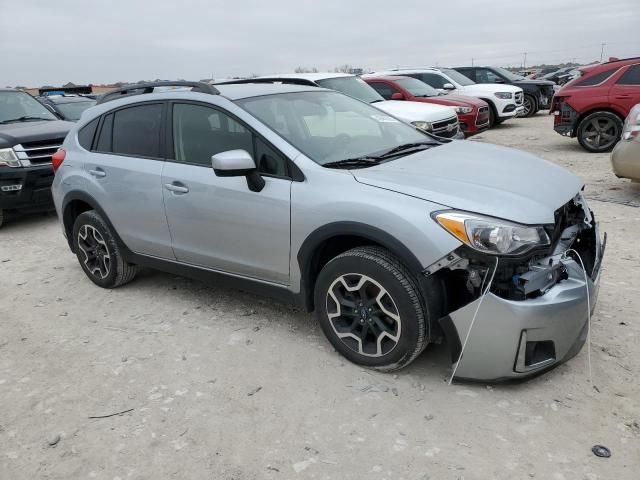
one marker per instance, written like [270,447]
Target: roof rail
[147,87]
[274,79]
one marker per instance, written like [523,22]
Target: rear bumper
[26,188]
[517,339]
[625,159]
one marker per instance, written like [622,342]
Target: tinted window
[597,78]
[200,132]
[73,110]
[104,141]
[631,76]
[352,86]
[86,134]
[269,161]
[383,89]
[433,79]
[136,131]
[417,88]
[487,76]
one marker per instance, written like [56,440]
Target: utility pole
[524,61]
[472,59]
[602,51]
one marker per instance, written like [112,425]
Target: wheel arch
[604,108]
[331,240]
[77,202]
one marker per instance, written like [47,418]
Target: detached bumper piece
[26,189]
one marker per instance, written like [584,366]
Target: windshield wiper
[402,149]
[378,100]
[26,118]
[365,161]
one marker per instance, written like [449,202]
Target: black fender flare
[373,234]
[93,203]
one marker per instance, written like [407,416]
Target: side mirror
[397,96]
[498,80]
[448,86]
[238,163]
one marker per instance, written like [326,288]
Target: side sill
[271,290]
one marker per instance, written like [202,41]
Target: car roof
[67,99]
[237,91]
[312,77]
[389,78]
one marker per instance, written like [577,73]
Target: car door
[484,75]
[125,170]
[217,222]
[625,92]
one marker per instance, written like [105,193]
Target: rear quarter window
[86,134]
[631,76]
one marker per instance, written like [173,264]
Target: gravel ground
[218,384]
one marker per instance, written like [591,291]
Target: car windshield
[22,107]
[352,86]
[507,74]
[457,77]
[73,110]
[417,88]
[330,127]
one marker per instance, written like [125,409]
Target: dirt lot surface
[218,384]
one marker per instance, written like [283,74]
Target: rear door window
[597,78]
[385,90]
[136,131]
[433,79]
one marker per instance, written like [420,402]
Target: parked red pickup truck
[473,113]
[594,105]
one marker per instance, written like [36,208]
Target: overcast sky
[53,42]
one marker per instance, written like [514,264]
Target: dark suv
[537,93]
[29,135]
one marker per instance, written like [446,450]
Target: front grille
[482,118]
[37,153]
[518,98]
[447,128]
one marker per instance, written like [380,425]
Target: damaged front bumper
[517,338]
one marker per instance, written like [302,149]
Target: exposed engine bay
[465,270]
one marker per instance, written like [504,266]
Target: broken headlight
[492,235]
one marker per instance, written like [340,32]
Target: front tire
[598,132]
[370,309]
[530,106]
[98,252]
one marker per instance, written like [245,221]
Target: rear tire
[599,132]
[370,309]
[98,252]
[530,106]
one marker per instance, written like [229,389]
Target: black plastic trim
[452,337]
[147,87]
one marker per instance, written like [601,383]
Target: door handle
[98,172]
[622,97]
[176,187]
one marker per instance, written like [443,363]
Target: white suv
[505,101]
[436,119]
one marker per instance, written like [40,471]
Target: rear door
[625,92]
[125,172]
[217,222]
[384,89]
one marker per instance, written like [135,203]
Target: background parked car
[537,93]
[67,107]
[505,101]
[593,106]
[436,119]
[625,158]
[29,135]
[473,113]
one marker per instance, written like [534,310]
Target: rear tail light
[57,159]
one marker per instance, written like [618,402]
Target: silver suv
[394,237]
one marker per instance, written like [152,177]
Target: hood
[464,99]
[489,88]
[415,111]
[487,179]
[25,132]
